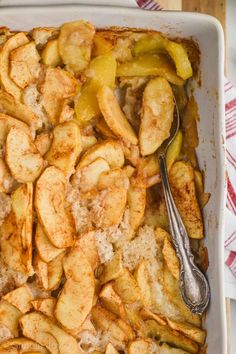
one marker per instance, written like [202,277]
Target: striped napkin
[230,121]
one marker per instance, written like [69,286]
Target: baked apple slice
[56,220]
[12,43]
[157,115]
[75,44]
[76,298]
[113,115]
[47,333]
[65,148]
[110,150]
[22,157]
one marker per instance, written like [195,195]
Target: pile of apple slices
[82,115]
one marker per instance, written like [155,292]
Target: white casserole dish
[209,35]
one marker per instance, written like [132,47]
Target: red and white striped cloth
[230,120]
[230,126]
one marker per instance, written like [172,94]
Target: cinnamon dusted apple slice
[110,150]
[50,54]
[87,243]
[89,175]
[65,148]
[137,202]
[76,299]
[56,220]
[23,344]
[24,64]
[45,248]
[49,274]
[47,333]
[45,305]
[57,86]
[9,317]
[113,115]
[115,177]
[75,44]
[18,110]
[16,231]
[157,115]
[22,157]
[108,206]
[12,43]
[20,298]
[6,123]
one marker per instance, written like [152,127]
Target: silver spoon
[193,284]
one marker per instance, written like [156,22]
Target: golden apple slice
[50,54]
[16,109]
[127,288]
[112,202]
[76,299]
[115,177]
[65,148]
[113,115]
[112,301]
[157,115]
[9,317]
[174,150]
[101,71]
[109,150]
[89,175]
[144,282]
[22,157]
[75,44]
[6,180]
[55,271]
[87,243]
[150,65]
[184,192]
[112,269]
[41,35]
[196,334]
[171,258]
[179,55]
[46,306]
[137,202]
[45,248]
[167,335]
[49,274]
[101,45]
[44,331]
[56,220]
[16,240]
[58,85]
[110,349]
[8,122]
[148,172]
[20,298]
[67,112]
[149,315]
[103,128]
[87,141]
[43,142]
[116,328]
[12,43]
[24,64]
[24,345]
[139,346]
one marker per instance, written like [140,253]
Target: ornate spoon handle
[193,284]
